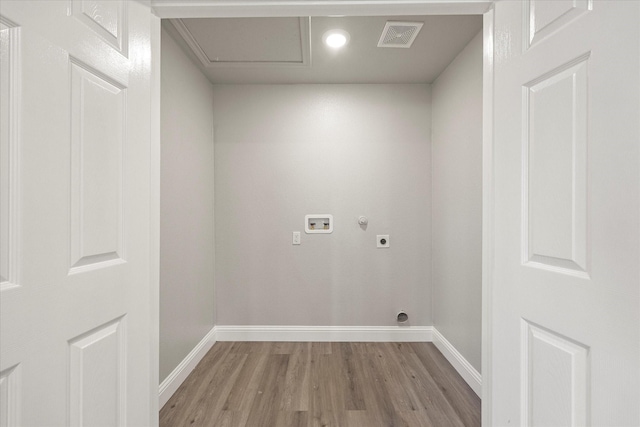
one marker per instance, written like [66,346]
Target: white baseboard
[325,333]
[464,368]
[182,371]
[318,334]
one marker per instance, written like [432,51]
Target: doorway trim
[287,8]
[487,214]
[169,9]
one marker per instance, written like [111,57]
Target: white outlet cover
[379,239]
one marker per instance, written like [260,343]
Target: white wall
[186,229]
[288,150]
[457,202]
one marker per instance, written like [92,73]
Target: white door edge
[154,220]
[487,214]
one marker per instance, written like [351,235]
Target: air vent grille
[399,34]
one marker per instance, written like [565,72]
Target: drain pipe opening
[402,317]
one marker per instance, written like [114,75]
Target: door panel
[555,378]
[10,397]
[97,140]
[544,17]
[9,61]
[75,331]
[97,383]
[106,18]
[566,287]
[554,177]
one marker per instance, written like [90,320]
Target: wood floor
[286,384]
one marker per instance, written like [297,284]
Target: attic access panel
[247,42]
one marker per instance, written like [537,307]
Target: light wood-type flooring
[282,384]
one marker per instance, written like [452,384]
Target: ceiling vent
[399,34]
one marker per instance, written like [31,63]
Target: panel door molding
[555,168]
[10,396]
[98,137]
[107,18]
[98,357]
[9,153]
[555,374]
[542,18]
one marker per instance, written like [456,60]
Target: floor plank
[184,399]
[296,388]
[348,378]
[245,388]
[266,405]
[462,398]
[282,384]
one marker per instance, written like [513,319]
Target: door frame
[165,9]
[154,217]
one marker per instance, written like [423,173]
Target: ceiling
[290,50]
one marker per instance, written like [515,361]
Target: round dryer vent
[402,317]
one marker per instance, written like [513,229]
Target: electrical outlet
[382,240]
[296,238]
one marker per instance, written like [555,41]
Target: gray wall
[285,151]
[457,202]
[186,207]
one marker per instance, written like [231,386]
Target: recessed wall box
[318,223]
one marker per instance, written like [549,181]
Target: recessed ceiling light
[336,38]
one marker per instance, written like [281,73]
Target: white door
[566,292]
[75,299]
